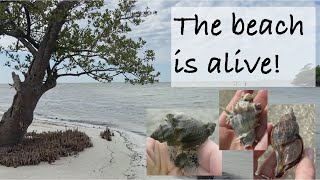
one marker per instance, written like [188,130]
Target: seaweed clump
[107,134]
[44,147]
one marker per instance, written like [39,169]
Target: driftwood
[106,134]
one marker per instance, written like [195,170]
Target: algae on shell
[183,135]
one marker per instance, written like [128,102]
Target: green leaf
[94,39]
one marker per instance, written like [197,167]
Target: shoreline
[59,122]
[119,158]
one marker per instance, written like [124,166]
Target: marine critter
[243,119]
[183,135]
[287,143]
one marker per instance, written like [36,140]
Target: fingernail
[248,91]
[309,153]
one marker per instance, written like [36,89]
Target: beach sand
[119,158]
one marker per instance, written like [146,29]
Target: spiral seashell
[287,143]
[184,134]
[243,119]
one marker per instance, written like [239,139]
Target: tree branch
[16,82]
[20,36]
[56,64]
[49,69]
[78,54]
[39,65]
[28,19]
[87,72]
[31,44]
[50,82]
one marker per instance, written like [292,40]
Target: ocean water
[126,107]
[116,105]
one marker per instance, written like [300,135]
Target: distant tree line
[318,75]
[306,76]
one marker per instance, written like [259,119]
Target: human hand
[304,170]
[159,163]
[227,136]
[158,159]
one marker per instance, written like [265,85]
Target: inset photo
[183,142]
[291,151]
[243,119]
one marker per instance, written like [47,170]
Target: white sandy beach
[114,159]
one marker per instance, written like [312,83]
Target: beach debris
[183,135]
[45,146]
[107,134]
[287,143]
[243,119]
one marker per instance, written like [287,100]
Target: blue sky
[156,31]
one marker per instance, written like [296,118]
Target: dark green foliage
[46,146]
[93,40]
[318,75]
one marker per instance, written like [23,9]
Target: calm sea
[124,106]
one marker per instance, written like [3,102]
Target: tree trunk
[16,120]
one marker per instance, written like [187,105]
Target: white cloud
[156,29]
[6,40]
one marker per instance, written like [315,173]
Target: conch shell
[243,119]
[287,143]
[184,135]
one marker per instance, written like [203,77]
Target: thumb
[306,169]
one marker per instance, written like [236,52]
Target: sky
[156,31]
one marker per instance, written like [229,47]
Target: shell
[184,134]
[243,119]
[287,143]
